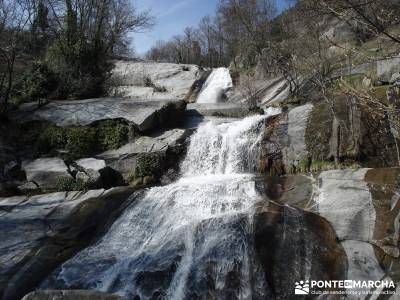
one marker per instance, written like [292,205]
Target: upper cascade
[215,86]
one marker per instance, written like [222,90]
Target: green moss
[148,164]
[70,184]
[321,165]
[314,166]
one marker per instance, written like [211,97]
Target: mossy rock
[149,164]
[75,142]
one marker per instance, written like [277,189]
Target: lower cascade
[191,239]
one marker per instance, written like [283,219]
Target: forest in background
[60,49]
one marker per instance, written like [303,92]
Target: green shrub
[81,142]
[68,184]
[38,83]
[50,139]
[112,134]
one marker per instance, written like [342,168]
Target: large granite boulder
[46,173]
[38,233]
[145,160]
[362,209]
[144,115]
[70,295]
[154,80]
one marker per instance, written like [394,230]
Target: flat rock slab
[146,144]
[176,79]
[228,110]
[85,112]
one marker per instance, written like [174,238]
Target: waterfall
[215,86]
[191,239]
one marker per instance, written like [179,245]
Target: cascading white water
[216,84]
[190,239]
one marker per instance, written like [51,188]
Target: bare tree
[14,19]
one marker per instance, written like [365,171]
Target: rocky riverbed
[130,196]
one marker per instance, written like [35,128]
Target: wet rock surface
[70,295]
[295,245]
[40,232]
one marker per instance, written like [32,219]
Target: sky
[172,17]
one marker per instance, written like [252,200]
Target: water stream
[188,240]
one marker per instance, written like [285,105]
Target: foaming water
[216,84]
[188,240]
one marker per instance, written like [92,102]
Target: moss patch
[74,142]
[69,184]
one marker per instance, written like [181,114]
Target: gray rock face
[70,295]
[125,159]
[364,214]
[45,172]
[345,201]
[285,139]
[38,233]
[153,80]
[387,67]
[274,92]
[145,115]
[297,125]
